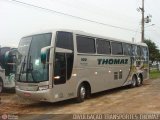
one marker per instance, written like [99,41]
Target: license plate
[27,94]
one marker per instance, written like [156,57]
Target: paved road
[144,99]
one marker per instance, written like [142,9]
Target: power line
[137,31]
[77,17]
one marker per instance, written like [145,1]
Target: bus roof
[78,32]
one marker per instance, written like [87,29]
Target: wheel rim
[1,85]
[139,81]
[134,82]
[82,92]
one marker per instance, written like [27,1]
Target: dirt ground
[144,99]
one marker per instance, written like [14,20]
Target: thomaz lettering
[112,61]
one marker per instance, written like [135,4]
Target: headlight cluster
[43,87]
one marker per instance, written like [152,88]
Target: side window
[134,50]
[85,44]
[63,67]
[138,51]
[144,52]
[60,69]
[147,52]
[103,46]
[127,49]
[69,59]
[116,48]
[64,40]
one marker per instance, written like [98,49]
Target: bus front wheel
[1,85]
[81,94]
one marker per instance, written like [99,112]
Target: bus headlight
[43,87]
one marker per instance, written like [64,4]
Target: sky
[18,20]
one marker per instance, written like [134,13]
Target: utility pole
[143,21]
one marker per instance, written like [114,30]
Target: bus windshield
[31,69]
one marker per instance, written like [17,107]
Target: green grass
[154,74]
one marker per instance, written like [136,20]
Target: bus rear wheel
[133,82]
[81,94]
[1,85]
[139,81]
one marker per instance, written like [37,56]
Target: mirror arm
[43,50]
[43,53]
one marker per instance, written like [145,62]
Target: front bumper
[44,95]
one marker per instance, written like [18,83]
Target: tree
[154,54]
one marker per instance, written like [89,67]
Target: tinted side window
[126,49]
[134,50]
[103,47]
[144,52]
[60,69]
[65,40]
[117,48]
[69,59]
[85,44]
[138,50]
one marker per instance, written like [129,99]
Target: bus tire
[1,85]
[133,82]
[81,93]
[139,80]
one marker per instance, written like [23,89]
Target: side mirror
[44,54]
[6,57]
[11,57]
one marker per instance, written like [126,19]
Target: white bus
[63,64]
[7,72]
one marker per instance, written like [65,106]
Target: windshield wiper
[22,68]
[30,69]
[23,65]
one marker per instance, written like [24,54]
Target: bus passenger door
[63,65]
[62,74]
